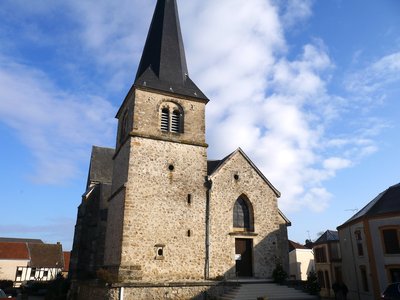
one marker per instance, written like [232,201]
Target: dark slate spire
[163,63]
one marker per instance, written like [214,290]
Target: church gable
[216,167]
[244,215]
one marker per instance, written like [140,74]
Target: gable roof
[214,166]
[46,255]
[101,165]
[386,202]
[13,250]
[20,240]
[328,236]
[163,63]
[293,245]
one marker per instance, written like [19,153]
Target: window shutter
[165,119]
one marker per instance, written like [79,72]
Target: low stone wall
[207,290]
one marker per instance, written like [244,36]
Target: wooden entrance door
[244,257]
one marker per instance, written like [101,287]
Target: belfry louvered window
[165,119]
[171,118]
[176,121]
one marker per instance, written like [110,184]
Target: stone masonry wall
[267,221]
[147,117]
[153,211]
[157,213]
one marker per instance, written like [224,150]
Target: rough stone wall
[147,117]
[152,211]
[267,221]
[157,212]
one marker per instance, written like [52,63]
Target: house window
[394,274]
[320,255]
[364,278]
[171,118]
[360,249]
[33,272]
[391,240]
[327,280]
[321,279]
[18,274]
[242,215]
[45,273]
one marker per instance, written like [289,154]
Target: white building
[301,261]
[370,245]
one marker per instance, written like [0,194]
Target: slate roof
[17,240]
[101,165]
[46,255]
[13,250]
[386,202]
[293,245]
[163,63]
[328,236]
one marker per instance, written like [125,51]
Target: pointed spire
[163,63]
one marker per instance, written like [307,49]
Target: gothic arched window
[243,215]
[171,118]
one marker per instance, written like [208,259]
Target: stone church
[158,220]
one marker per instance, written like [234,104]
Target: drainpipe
[121,293]
[208,185]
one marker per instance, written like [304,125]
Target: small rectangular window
[320,255]
[321,279]
[394,274]
[33,272]
[364,278]
[391,241]
[360,248]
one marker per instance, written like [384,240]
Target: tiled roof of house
[46,255]
[12,250]
[328,236]
[67,257]
[294,245]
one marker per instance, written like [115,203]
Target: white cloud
[56,126]
[371,82]
[276,107]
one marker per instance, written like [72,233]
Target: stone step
[269,291]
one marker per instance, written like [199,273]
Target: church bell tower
[156,215]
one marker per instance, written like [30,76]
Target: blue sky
[308,89]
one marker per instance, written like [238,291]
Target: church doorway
[244,257]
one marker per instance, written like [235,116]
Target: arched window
[171,118]
[243,215]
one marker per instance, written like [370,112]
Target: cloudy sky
[308,89]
